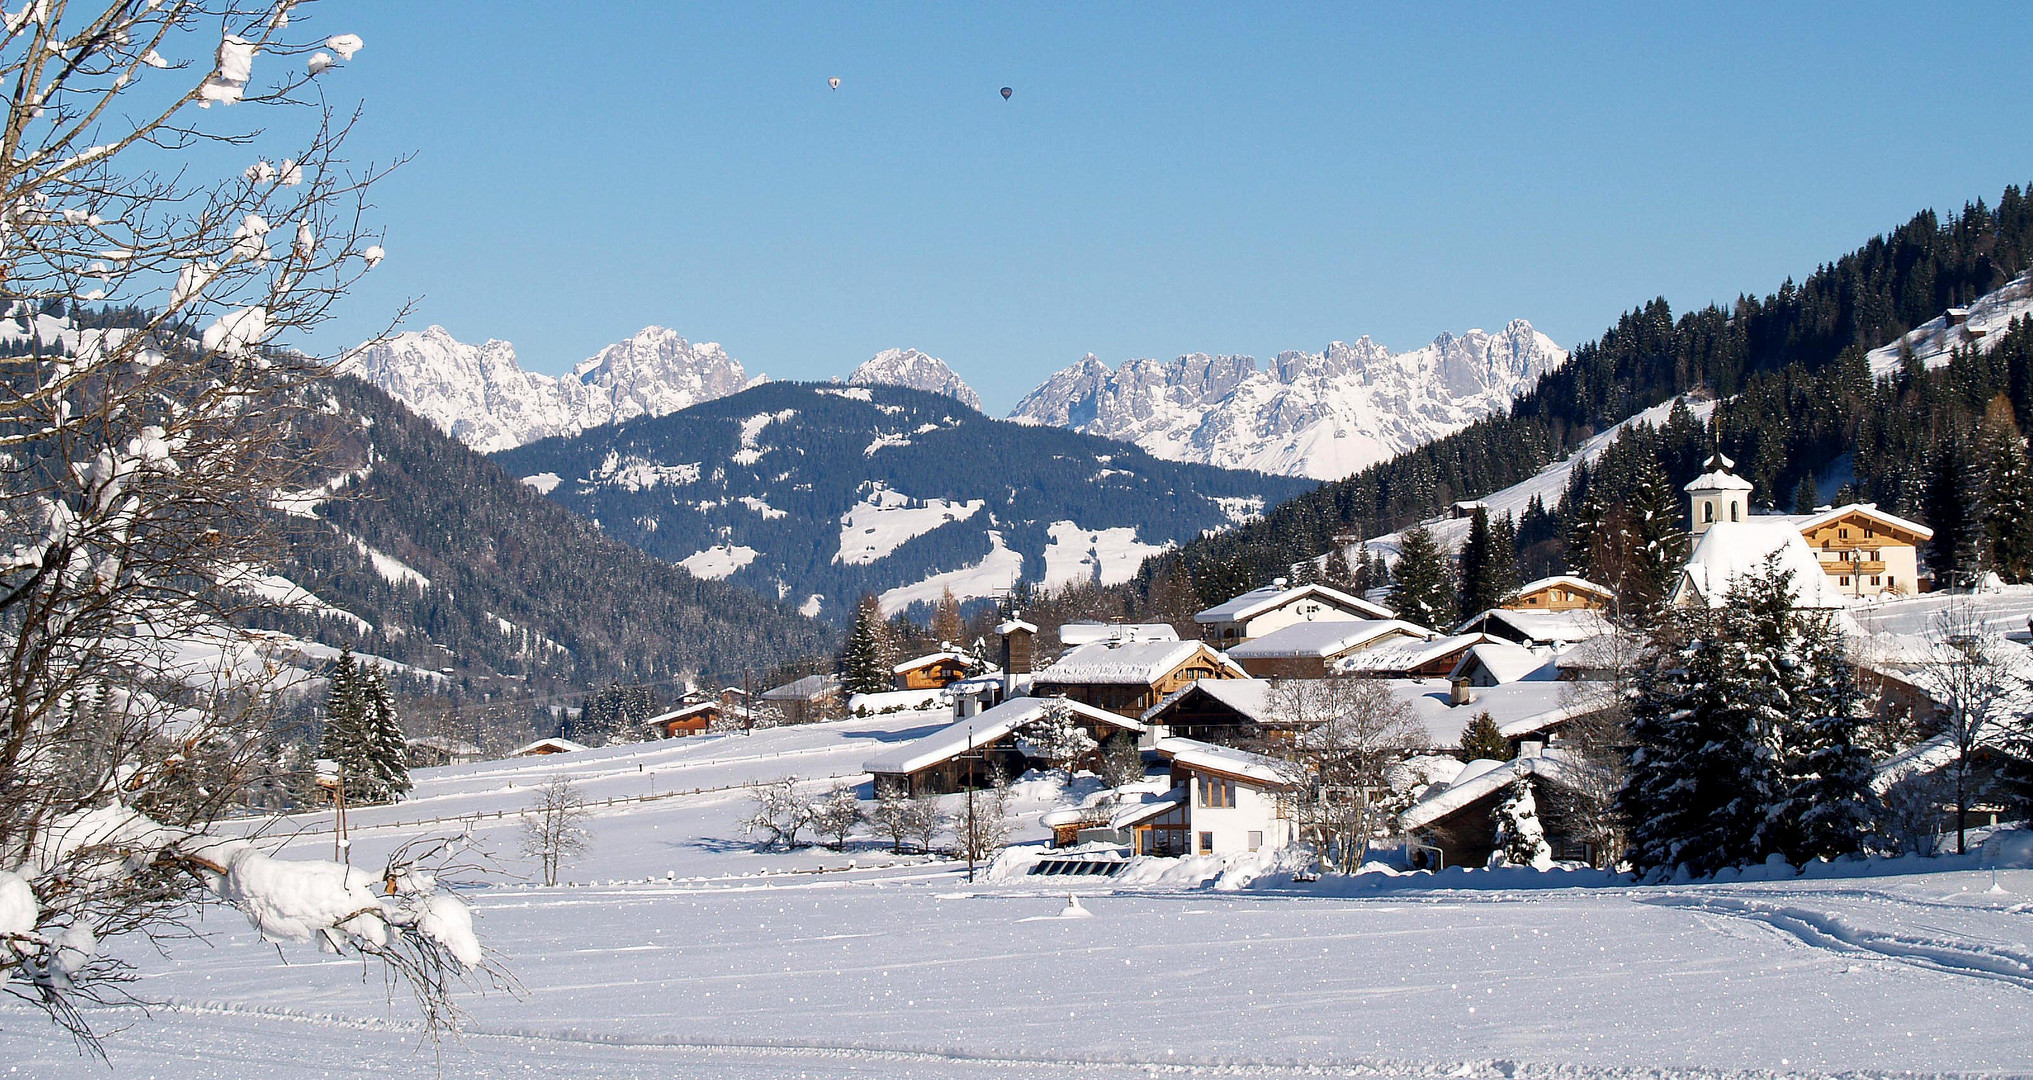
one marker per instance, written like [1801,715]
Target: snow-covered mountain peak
[481,395]
[1321,414]
[914,370]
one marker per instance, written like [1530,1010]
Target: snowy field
[681,953]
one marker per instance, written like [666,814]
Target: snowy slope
[1547,485]
[917,371]
[795,490]
[1323,415]
[1934,340]
[676,951]
[482,396]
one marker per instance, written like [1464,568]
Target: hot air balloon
[834,82]
[1006,92]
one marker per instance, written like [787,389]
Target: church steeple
[1717,495]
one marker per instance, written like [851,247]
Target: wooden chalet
[547,747]
[1411,659]
[1260,611]
[694,719]
[1562,592]
[1454,824]
[806,700]
[968,753]
[430,750]
[1129,677]
[933,672]
[1864,550]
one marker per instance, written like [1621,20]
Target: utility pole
[970,839]
[341,847]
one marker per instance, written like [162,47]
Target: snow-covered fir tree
[1520,836]
[1423,591]
[866,660]
[387,751]
[1829,804]
[1056,739]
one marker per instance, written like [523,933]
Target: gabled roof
[1257,601]
[928,660]
[984,728]
[1131,662]
[1011,626]
[1250,697]
[1870,510]
[804,689]
[680,713]
[1567,581]
[1546,627]
[1471,785]
[1228,761]
[1325,639]
[559,746]
[1087,633]
[1540,721]
[1506,662]
[1404,656]
[1732,549]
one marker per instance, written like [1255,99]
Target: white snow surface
[1933,341]
[995,573]
[482,396]
[1323,415]
[1107,556]
[718,561]
[676,951]
[917,371]
[886,519]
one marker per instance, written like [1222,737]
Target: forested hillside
[820,493]
[1790,368]
[450,564]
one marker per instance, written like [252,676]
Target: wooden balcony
[1859,567]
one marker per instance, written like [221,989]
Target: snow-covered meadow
[679,951]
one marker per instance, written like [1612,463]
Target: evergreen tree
[386,750]
[1520,837]
[864,661]
[1829,809]
[345,740]
[1422,592]
[1952,511]
[1475,570]
[1336,573]
[1481,740]
[1806,496]
[2007,492]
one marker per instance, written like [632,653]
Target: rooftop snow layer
[980,730]
[1324,639]
[1733,549]
[1257,601]
[1194,754]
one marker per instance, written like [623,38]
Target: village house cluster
[1215,722]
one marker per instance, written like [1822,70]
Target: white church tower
[1717,495]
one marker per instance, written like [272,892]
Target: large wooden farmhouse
[1129,677]
[1309,650]
[1865,551]
[969,752]
[1562,592]
[1260,611]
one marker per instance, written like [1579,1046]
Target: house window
[1733,508]
[1256,839]
[1707,512]
[1845,579]
[1844,533]
[1207,843]
[1217,792]
[1874,579]
[1870,534]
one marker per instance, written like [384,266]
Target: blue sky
[1227,178]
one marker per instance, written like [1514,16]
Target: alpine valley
[817,493]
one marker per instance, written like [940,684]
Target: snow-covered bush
[1055,738]
[779,813]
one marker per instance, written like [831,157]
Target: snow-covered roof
[1011,626]
[680,713]
[928,660]
[1432,704]
[547,746]
[1545,627]
[1257,601]
[984,728]
[804,689]
[1405,655]
[1479,779]
[1718,480]
[1087,633]
[444,744]
[1505,662]
[1566,581]
[1205,756]
[1917,760]
[1804,522]
[1323,639]
[1133,662]
[1733,549]
[1540,721]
